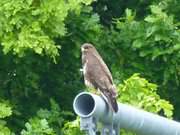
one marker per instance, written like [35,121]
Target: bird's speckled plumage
[97,74]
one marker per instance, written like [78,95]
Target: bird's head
[87,47]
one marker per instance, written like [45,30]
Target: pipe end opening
[84,104]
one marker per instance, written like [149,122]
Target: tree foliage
[40,59]
[139,92]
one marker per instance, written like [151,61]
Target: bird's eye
[86,47]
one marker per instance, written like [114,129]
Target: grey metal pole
[88,105]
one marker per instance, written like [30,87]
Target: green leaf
[151,19]
[137,43]
[37,126]
[5,110]
[156,9]
[5,130]
[139,92]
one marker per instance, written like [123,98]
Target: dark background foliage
[40,55]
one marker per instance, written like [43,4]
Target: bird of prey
[97,75]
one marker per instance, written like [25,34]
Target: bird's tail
[114,104]
[111,101]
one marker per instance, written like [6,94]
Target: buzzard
[97,75]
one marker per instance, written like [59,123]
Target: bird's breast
[86,78]
[85,68]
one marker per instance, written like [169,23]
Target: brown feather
[97,74]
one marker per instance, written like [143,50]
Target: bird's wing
[109,83]
[98,73]
[102,79]
[104,66]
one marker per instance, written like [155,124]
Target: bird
[97,75]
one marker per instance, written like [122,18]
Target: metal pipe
[144,123]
